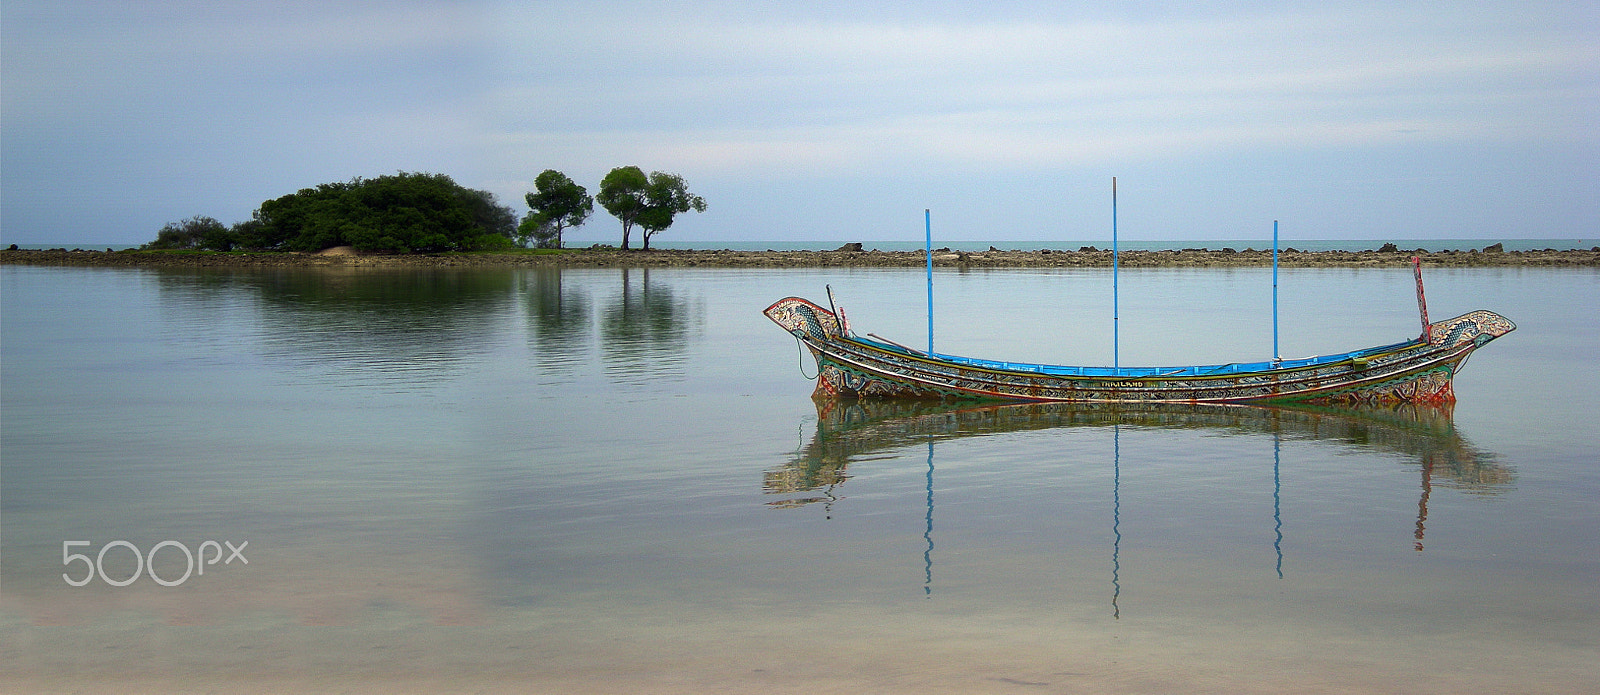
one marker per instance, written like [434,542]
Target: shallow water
[608,480]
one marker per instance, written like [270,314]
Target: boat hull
[1417,371]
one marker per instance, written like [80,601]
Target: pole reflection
[850,432]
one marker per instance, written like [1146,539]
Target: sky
[821,121]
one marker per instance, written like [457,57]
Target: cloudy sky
[819,120]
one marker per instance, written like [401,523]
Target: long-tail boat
[1418,370]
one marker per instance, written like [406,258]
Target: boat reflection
[857,431]
[850,432]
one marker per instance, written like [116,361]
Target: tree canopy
[428,213]
[622,193]
[198,232]
[404,212]
[652,202]
[666,197]
[558,203]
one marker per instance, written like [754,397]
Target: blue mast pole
[1116,361]
[1276,356]
[927,247]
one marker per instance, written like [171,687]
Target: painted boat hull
[1415,371]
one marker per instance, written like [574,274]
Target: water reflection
[645,332]
[559,318]
[851,432]
[402,327]
[854,431]
[410,328]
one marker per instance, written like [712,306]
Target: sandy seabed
[829,651]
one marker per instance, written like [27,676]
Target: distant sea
[1035,245]
[1137,245]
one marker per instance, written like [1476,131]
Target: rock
[1495,248]
[852,247]
[1389,248]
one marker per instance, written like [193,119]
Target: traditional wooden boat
[1416,371]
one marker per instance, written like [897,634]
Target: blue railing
[1132,372]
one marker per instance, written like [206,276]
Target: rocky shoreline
[850,255]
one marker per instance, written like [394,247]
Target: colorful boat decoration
[1419,370]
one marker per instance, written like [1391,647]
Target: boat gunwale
[1175,374]
[1421,363]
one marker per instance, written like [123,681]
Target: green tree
[666,196]
[198,232]
[247,234]
[536,228]
[623,193]
[492,218]
[403,212]
[558,203]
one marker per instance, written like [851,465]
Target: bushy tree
[557,204]
[489,215]
[665,198]
[623,194]
[652,202]
[247,234]
[404,212]
[199,232]
[537,230]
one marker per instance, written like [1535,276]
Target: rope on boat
[802,350]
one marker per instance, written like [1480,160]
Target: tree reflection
[422,324]
[559,318]
[400,326]
[645,332]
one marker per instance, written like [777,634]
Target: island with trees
[426,220]
[407,213]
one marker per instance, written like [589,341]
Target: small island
[425,220]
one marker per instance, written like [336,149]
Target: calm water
[614,481]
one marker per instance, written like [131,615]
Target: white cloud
[828,98]
[813,96]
